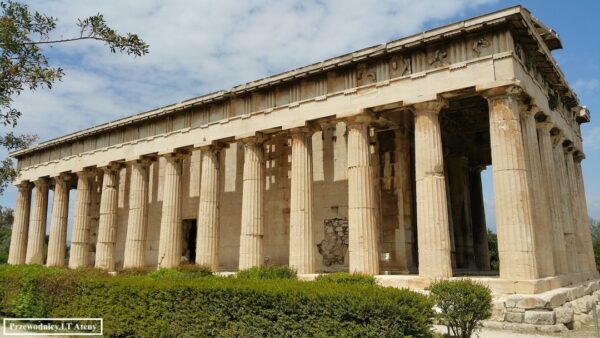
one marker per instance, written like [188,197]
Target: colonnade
[535,169]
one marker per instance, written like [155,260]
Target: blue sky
[197,47]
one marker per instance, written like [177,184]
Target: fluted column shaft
[20,230]
[57,243]
[565,200]
[37,226]
[207,240]
[580,247]
[170,243]
[480,240]
[584,218]
[432,206]
[539,196]
[251,237]
[302,249]
[137,220]
[363,238]
[512,195]
[80,240]
[107,224]
[553,195]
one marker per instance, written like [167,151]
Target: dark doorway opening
[190,229]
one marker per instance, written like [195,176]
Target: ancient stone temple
[368,162]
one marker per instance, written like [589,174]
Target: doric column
[404,196]
[170,242]
[302,248]
[20,230]
[553,193]
[539,196]
[585,228]
[107,227]
[57,243]
[137,220]
[251,237]
[565,200]
[480,240]
[580,247]
[80,240]
[207,240]
[363,243]
[37,226]
[432,206]
[512,195]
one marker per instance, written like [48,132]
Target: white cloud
[586,85]
[591,135]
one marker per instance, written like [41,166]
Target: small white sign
[53,327]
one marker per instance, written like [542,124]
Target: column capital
[144,161]
[557,136]
[64,176]
[568,146]
[300,132]
[254,138]
[175,156]
[545,126]
[112,166]
[578,156]
[430,107]
[86,173]
[528,110]
[511,91]
[42,182]
[358,120]
[24,186]
[215,146]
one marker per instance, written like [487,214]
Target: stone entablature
[450,46]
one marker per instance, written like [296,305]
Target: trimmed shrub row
[169,304]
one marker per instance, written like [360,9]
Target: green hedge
[142,306]
[267,272]
[346,278]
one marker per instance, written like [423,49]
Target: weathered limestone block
[515,317]
[590,288]
[556,328]
[564,314]
[498,311]
[583,304]
[513,300]
[554,298]
[540,317]
[575,293]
